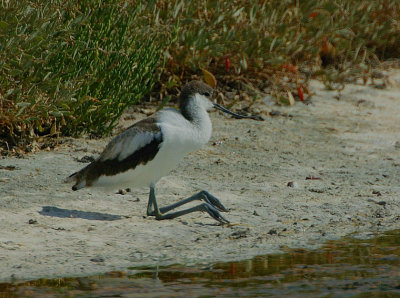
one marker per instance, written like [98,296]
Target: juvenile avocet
[151,148]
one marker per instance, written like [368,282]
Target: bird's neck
[196,113]
[194,110]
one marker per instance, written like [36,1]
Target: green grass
[72,67]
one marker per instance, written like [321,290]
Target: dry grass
[278,45]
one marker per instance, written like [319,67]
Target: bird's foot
[210,199]
[211,205]
[205,207]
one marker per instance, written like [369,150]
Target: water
[345,268]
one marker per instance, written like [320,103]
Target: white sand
[349,144]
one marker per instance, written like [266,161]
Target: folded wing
[137,145]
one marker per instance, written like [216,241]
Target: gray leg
[201,196]
[152,206]
[211,205]
[213,212]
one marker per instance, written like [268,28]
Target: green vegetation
[266,41]
[69,67]
[72,67]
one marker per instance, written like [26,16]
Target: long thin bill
[237,116]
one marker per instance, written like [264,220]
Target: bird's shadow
[67,213]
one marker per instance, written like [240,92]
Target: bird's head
[198,92]
[202,94]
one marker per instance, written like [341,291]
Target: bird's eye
[206,94]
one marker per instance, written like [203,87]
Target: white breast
[180,137]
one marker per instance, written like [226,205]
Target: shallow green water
[362,268]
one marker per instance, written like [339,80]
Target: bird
[149,149]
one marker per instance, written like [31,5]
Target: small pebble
[59,229]
[97,259]
[239,234]
[312,178]
[275,113]
[9,168]
[32,221]
[86,159]
[255,213]
[376,192]
[292,184]
[121,192]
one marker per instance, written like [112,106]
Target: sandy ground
[351,147]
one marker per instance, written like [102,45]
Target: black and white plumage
[151,148]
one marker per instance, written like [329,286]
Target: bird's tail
[78,178]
